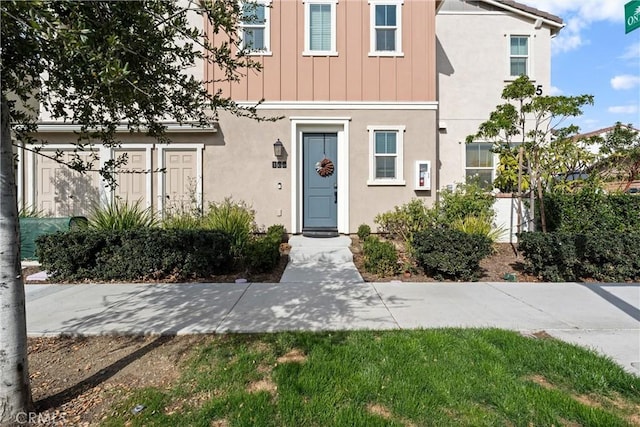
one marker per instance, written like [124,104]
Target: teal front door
[320,182]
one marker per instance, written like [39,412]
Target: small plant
[405,220]
[468,199]
[364,231]
[478,225]
[31,212]
[185,213]
[120,215]
[234,218]
[380,257]
[279,232]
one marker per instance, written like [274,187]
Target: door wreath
[325,167]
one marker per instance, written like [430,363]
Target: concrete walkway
[321,290]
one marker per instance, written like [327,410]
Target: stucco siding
[239,162]
[472,72]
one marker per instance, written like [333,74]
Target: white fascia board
[524,13]
[172,127]
[341,105]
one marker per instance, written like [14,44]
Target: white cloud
[578,15]
[555,91]
[623,109]
[632,52]
[625,81]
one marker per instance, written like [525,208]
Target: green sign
[631,16]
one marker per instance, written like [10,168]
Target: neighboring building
[387,90]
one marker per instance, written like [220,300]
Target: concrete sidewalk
[605,317]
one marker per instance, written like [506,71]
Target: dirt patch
[264,384]
[294,356]
[379,410]
[78,380]
[504,261]
[542,382]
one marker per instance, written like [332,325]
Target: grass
[446,377]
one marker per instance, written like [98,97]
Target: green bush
[364,231]
[120,215]
[182,220]
[566,257]
[589,209]
[380,257]
[450,254]
[405,220]
[279,232]
[466,200]
[134,254]
[237,219]
[262,254]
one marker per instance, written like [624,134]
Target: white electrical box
[423,175]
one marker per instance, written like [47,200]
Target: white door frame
[340,126]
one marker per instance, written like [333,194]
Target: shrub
[120,215]
[405,220]
[380,257]
[551,256]
[601,255]
[466,200]
[263,253]
[364,231]
[134,254]
[237,219]
[452,254]
[183,220]
[589,209]
[279,232]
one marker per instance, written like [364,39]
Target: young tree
[620,151]
[98,65]
[526,123]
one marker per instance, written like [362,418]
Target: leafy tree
[98,65]
[529,121]
[620,149]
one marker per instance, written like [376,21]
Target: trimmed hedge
[262,254]
[606,256]
[380,257]
[134,254]
[592,210]
[451,254]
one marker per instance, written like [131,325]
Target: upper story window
[255,27]
[386,27]
[386,155]
[519,60]
[320,28]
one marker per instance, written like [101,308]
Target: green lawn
[402,378]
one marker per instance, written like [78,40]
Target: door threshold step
[320,233]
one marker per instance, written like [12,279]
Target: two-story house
[375,99]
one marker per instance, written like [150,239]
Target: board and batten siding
[352,75]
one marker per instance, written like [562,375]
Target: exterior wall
[47,185]
[239,162]
[473,70]
[352,75]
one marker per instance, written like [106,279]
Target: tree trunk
[15,392]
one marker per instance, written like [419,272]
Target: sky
[593,55]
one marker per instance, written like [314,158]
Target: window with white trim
[479,163]
[386,27]
[320,27]
[519,60]
[255,27]
[386,155]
